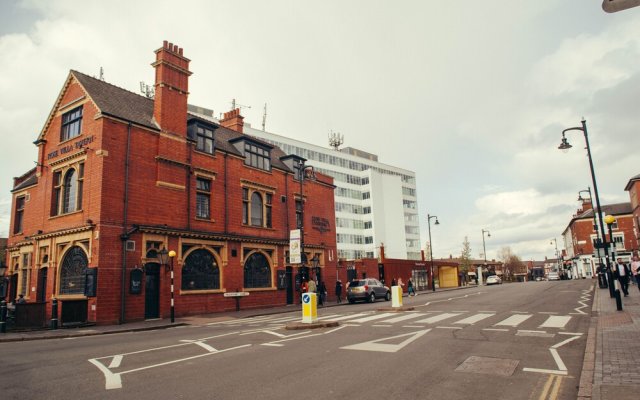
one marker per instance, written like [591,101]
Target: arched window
[70,191]
[200,271]
[256,209]
[257,272]
[72,271]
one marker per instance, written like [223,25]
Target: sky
[470,95]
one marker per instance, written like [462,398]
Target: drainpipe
[226,209]
[125,235]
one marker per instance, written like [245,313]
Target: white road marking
[348,317]
[403,318]
[514,320]
[371,318]
[448,327]
[556,321]
[413,326]
[562,368]
[496,329]
[381,326]
[375,345]
[201,344]
[473,319]
[112,381]
[547,312]
[437,318]
[571,333]
[115,363]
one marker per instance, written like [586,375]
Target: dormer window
[203,135]
[204,139]
[257,157]
[71,124]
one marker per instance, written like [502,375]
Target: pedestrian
[311,286]
[21,299]
[635,270]
[339,291]
[400,284]
[622,273]
[410,288]
[322,292]
[393,282]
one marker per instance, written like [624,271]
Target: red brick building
[581,234]
[633,187]
[120,177]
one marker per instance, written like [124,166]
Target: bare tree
[512,263]
[465,256]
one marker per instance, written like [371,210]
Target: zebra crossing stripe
[514,320]
[402,318]
[473,319]
[556,321]
[348,317]
[437,318]
[371,318]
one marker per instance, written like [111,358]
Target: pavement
[611,368]
[611,365]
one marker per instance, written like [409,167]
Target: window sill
[267,289]
[205,219]
[187,292]
[258,227]
[64,215]
[64,297]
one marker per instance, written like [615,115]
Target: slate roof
[28,179]
[609,209]
[117,102]
[635,178]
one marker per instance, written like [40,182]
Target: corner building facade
[121,177]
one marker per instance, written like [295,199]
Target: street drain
[489,366]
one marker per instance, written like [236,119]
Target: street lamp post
[163,256]
[433,284]
[595,221]
[302,171]
[554,240]
[484,249]
[609,220]
[565,146]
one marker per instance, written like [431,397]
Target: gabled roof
[116,102]
[631,181]
[608,209]
[27,179]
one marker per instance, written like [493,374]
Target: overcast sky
[471,95]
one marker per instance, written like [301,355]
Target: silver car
[368,290]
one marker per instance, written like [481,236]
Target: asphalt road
[512,341]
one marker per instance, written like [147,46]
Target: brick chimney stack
[233,120]
[171,89]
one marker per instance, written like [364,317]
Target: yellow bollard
[309,308]
[396,296]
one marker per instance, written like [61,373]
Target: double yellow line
[551,388]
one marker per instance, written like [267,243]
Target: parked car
[493,280]
[368,290]
[553,276]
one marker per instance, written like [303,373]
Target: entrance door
[152,290]
[42,285]
[289,280]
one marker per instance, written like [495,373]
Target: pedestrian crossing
[499,321]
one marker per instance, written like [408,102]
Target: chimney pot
[165,44]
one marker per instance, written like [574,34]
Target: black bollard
[618,300]
[54,314]
[3,317]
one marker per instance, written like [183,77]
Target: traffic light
[612,6]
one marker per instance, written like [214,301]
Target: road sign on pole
[612,6]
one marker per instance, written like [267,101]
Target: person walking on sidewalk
[622,273]
[410,288]
[322,292]
[635,269]
[339,291]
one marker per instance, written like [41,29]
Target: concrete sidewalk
[62,333]
[616,367]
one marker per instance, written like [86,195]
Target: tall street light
[565,146]
[164,256]
[433,284]
[609,220]
[484,249]
[302,173]
[554,240]
[595,221]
